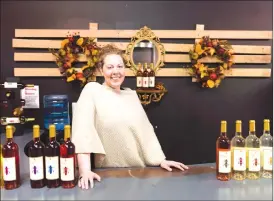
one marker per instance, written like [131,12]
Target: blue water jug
[56,111]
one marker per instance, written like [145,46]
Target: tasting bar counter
[152,183]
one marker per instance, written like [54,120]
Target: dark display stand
[6,109]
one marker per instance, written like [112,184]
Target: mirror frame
[145,33]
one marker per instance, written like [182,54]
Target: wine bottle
[252,144]
[11,168]
[67,160]
[238,154]
[145,77]
[52,159]
[151,76]
[266,144]
[15,120]
[36,160]
[14,85]
[139,77]
[223,155]
[1,170]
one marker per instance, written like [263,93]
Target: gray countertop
[198,183]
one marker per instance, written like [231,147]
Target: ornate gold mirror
[145,47]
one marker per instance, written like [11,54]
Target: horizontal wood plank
[169,58]
[175,34]
[164,72]
[169,47]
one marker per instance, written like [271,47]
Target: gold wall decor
[145,37]
[152,61]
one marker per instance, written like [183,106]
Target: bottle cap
[52,130]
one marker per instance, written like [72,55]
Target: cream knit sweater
[115,127]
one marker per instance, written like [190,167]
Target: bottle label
[9,169]
[36,168]
[67,169]
[145,81]
[139,81]
[239,162]
[267,158]
[254,159]
[224,161]
[52,167]
[10,85]
[151,81]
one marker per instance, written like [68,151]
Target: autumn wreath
[69,53]
[220,49]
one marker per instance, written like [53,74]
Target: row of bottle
[50,165]
[241,158]
[145,76]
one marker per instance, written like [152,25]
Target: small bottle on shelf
[52,157]
[15,120]
[139,77]
[223,155]
[266,144]
[238,154]
[252,144]
[145,77]
[14,85]
[36,160]
[151,76]
[67,160]
[11,167]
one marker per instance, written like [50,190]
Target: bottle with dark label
[52,157]
[67,160]
[223,155]
[139,77]
[11,167]
[238,152]
[37,160]
[145,77]
[252,144]
[151,76]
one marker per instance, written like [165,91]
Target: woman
[111,123]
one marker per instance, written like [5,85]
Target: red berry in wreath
[213,76]
[209,44]
[221,51]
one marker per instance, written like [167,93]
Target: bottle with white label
[223,155]
[36,160]
[52,159]
[14,85]
[252,144]
[266,144]
[11,167]
[139,77]
[67,160]
[238,153]
[145,77]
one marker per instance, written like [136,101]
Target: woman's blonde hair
[108,50]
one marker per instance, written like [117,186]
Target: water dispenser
[56,111]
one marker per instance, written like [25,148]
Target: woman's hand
[168,164]
[86,178]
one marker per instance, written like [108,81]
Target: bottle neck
[223,134]
[238,134]
[52,139]
[252,133]
[67,139]
[36,139]
[9,139]
[266,132]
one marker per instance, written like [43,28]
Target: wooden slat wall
[244,54]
